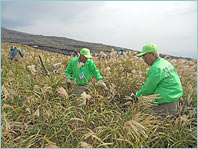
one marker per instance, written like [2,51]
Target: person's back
[162,79]
[169,87]
[13,52]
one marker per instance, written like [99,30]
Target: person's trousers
[165,109]
[78,90]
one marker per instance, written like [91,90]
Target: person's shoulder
[155,70]
[159,61]
[90,61]
[74,59]
[165,62]
[161,64]
[156,65]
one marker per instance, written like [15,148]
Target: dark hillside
[55,44]
[51,43]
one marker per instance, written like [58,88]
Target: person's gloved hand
[134,97]
[102,84]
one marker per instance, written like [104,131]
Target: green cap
[85,52]
[148,49]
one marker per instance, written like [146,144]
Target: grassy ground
[39,111]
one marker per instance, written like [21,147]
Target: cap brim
[88,56]
[141,54]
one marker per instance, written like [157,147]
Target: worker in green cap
[80,70]
[162,79]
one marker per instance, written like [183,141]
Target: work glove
[134,97]
[102,84]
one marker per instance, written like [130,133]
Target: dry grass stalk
[29,99]
[32,69]
[37,113]
[141,124]
[89,134]
[28,110]
[48,113]
[7,124]
[138,117]
[63,92]
[83,99]
[150,121]
[85,96]
[135,129]
[7,106]
[113,89]
[83,144]
[146,102]
[4,92]
[51,145]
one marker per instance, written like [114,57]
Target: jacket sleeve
[20,53]
[68,71]
[153,79]
[13,53]
[95,72]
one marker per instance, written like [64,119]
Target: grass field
[39,111]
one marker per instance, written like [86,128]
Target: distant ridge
[62,45]
[51,43]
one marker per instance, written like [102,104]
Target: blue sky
[172,25]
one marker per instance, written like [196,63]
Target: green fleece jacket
[162,79]
[83,74]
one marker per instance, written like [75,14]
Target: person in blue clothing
[13,53]
[121,50]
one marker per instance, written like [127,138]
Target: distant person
[13,53]
[121,51]
[162,79]
[80,70]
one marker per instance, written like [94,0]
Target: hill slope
[62,45]
[51,43]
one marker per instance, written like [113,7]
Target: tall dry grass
[39,111]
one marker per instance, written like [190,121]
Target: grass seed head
[83,144]
[63,92]
[32,69]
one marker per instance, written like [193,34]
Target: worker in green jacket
[80,70]
[162,79]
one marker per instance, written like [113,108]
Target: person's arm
[20,53]
[68,71]
[95,72]
[153,79]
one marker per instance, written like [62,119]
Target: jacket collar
[156,60]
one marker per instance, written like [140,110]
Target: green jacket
[82,75]
[162,79]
